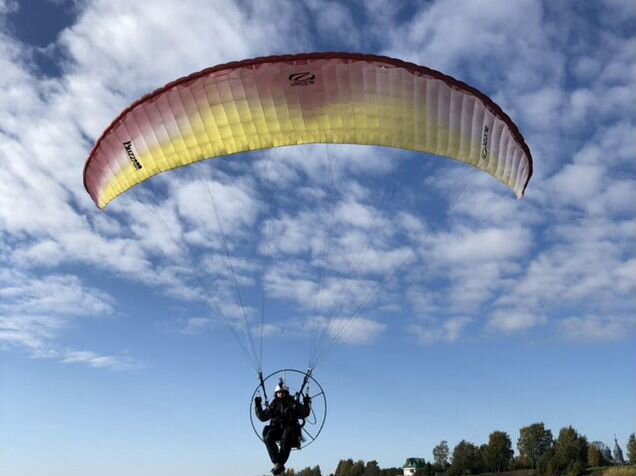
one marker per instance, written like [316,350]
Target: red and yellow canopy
[301,99]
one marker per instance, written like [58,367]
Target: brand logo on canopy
[302,79]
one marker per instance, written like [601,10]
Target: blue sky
[504,313]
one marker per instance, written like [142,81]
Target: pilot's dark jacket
[283,415]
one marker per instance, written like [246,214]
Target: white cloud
[196,325]
[180,33]
[34,313]
[431,331]
[586,68]
[588,264]
[91,359]
[47,252]
[542,107]
[355,331]
[569,241]
[576,184]
[422,300]
[201,201]
[512,320]
[29,332]
[334,20]
[597,328]
[301,286]
[581,103]
[292,235]
[57,295]
[464,247]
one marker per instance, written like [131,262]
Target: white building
[412,465]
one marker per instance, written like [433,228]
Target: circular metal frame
[313,424]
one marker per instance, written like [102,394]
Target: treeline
[349,467]
[570,454]
[315,471]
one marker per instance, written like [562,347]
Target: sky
[122,345]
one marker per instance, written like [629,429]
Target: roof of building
[414,463]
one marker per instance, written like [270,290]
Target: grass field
[621,471]
[602,471]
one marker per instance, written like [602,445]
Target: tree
[570,452]
[498,453]
[534,441]
[315,471]
[428,470]
[545,463]
[466,459]
[344,467]
[390,471]
[358,468]
[371,469]
[604,454]
[594,456]
[440,455]
[631,449]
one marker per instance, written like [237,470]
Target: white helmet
[281,387]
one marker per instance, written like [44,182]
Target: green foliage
[599,454]
[498,453]
[429,470]
[440,455]
[467,459]
[390,471]
[357,469]
[594,456]
[534,441]
[372,469]
[569,456]
[315,471]
[544,464]
[344,467]
[631,449]
[347,467]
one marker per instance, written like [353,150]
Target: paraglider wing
[301,99]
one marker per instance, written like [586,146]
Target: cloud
[334,20]
[511,321]
[522,263]
[621,10]
[593,328]
[196,325]
[34,313]
[355,331]
[542,107]
[32,333]
[460,37]
[577,184]
[181,33]
[58,295]
[211,204]
[464,247]
[448,331]
[301,286]
[91,359]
